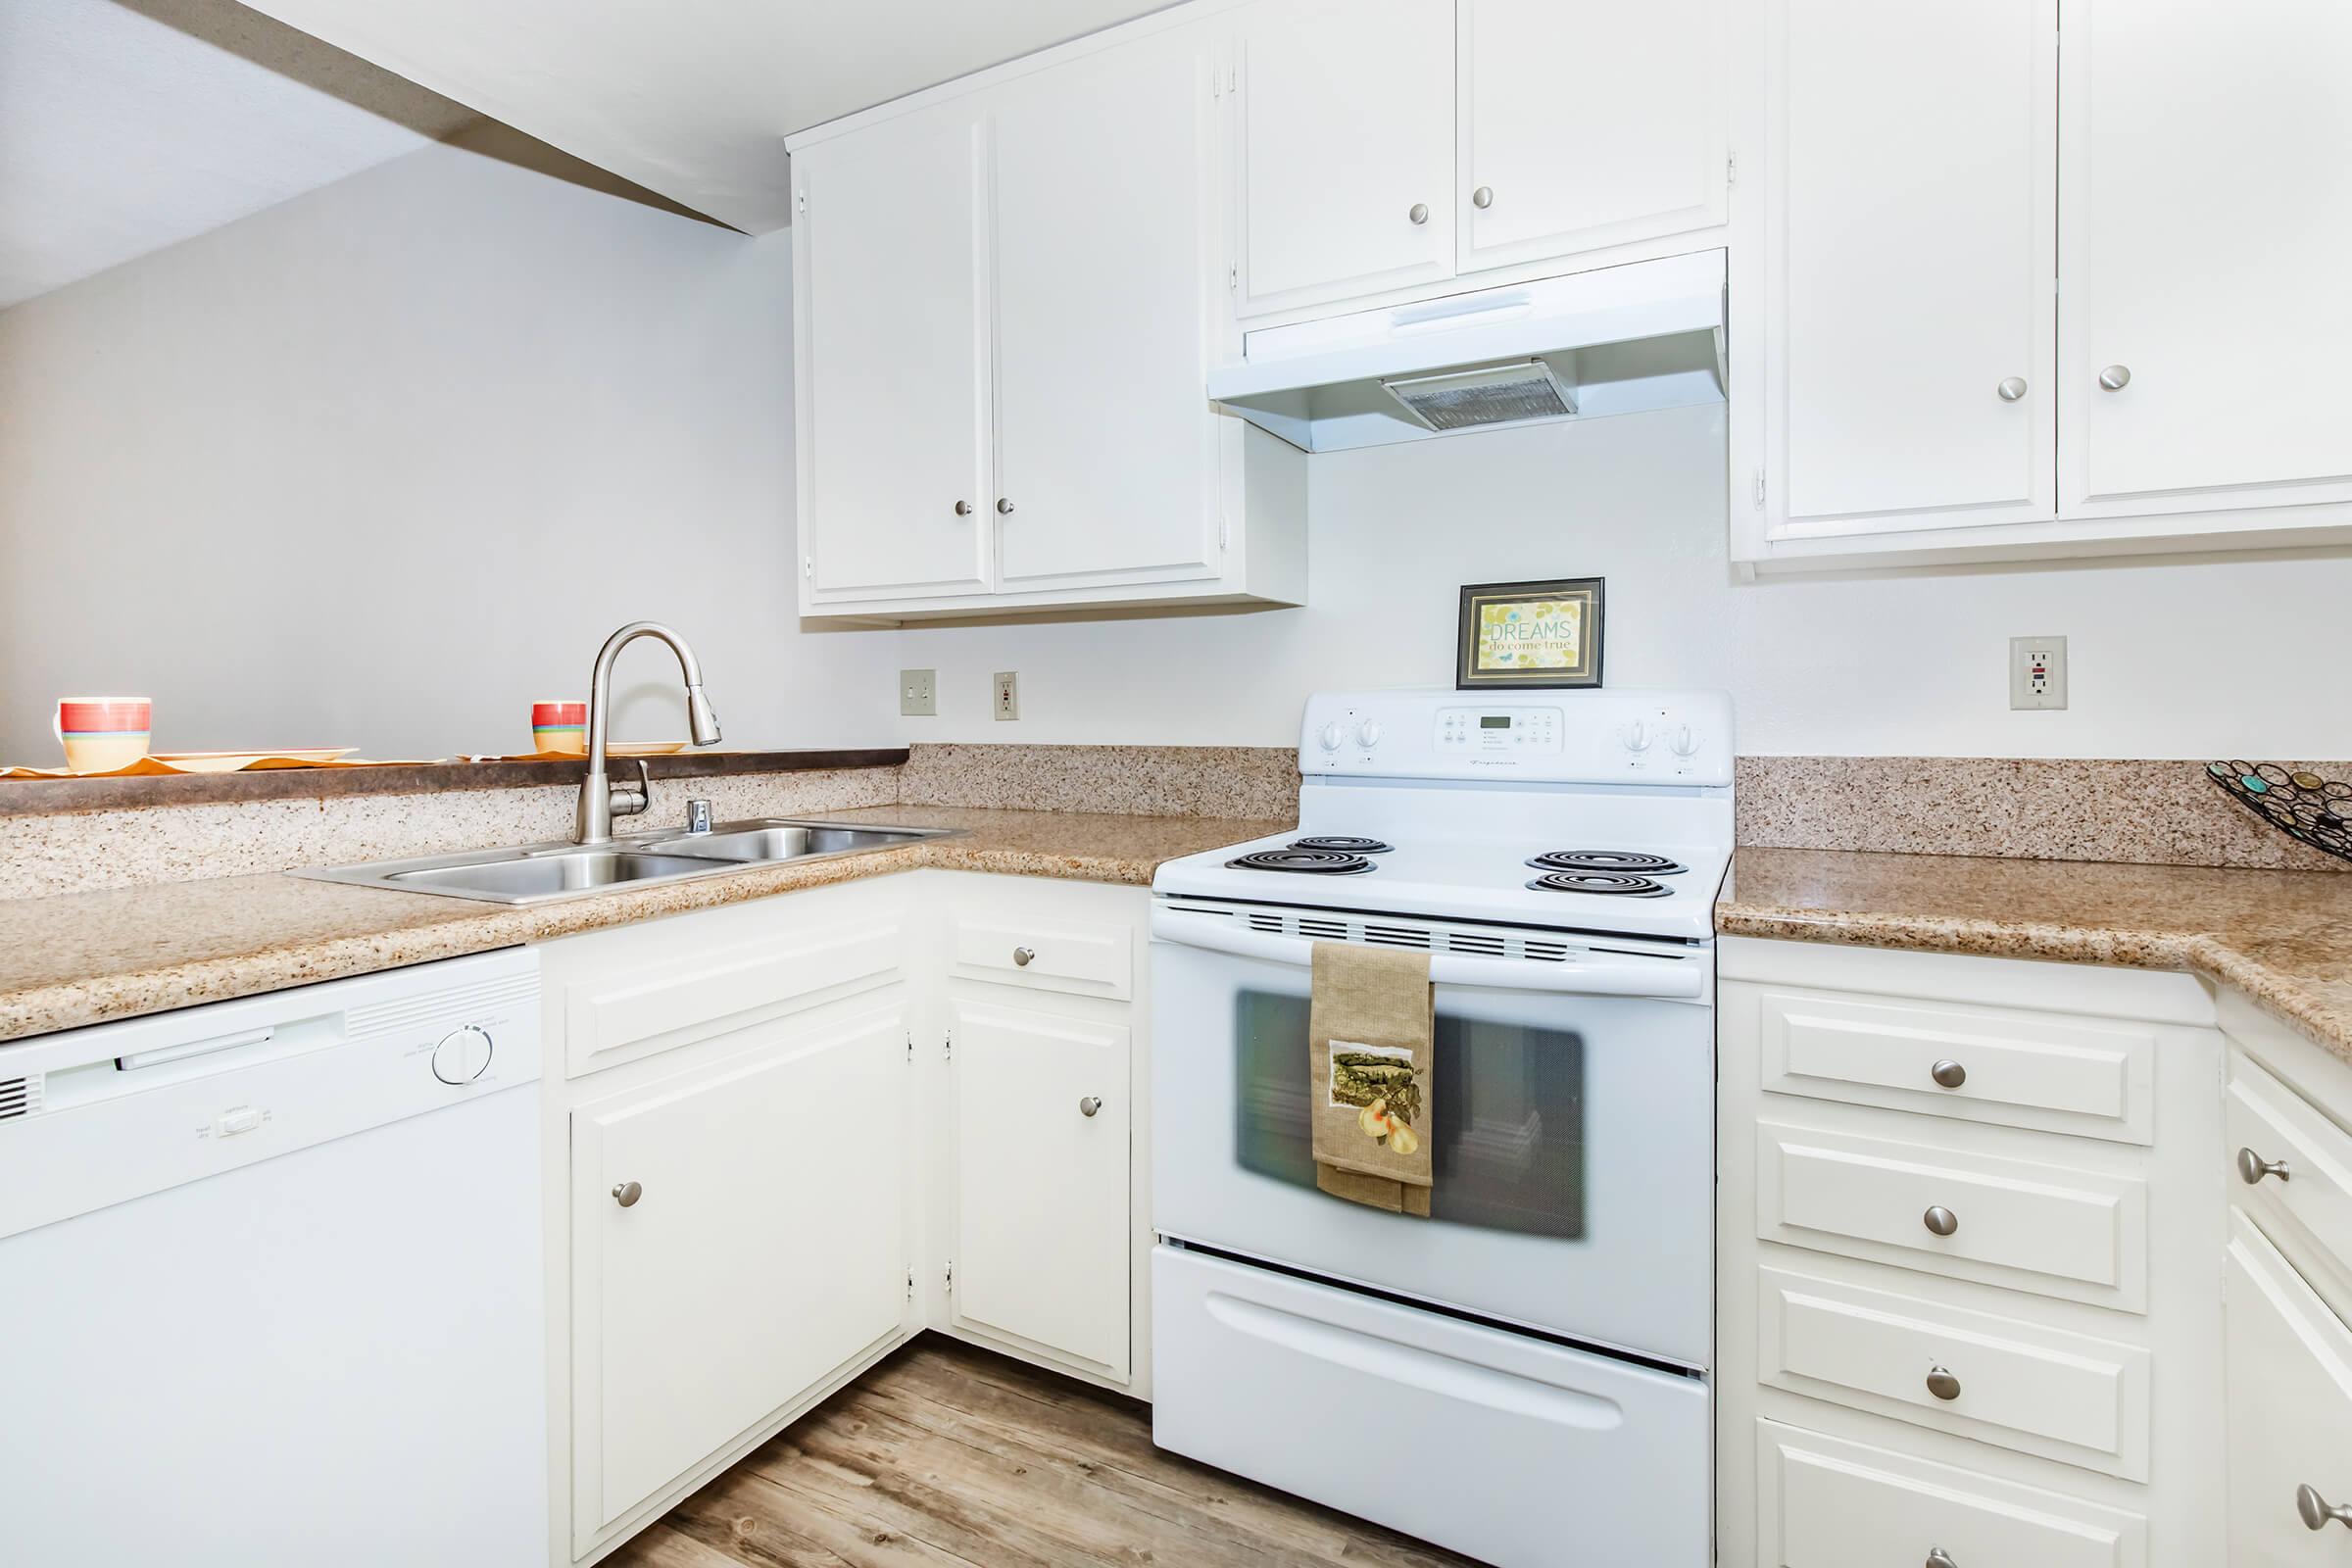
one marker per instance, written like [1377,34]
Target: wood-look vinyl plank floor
[948,1456]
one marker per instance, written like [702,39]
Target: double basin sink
[539,872]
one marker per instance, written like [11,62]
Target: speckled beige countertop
[2283,937]
[86,957]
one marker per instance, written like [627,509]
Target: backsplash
[1242,781]
[2149,813]
[81,852]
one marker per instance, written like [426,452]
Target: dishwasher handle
[1585,972]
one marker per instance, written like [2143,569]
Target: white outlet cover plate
[2036,672]
[1005,697]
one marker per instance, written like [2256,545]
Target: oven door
[1573,1142]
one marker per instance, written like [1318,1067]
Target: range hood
[1615,340]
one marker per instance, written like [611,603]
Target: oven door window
[1508,1146]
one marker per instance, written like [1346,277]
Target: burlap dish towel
[1369,1085]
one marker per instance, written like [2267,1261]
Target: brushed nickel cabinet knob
[2116,377]
[2252,1167]
[2012,389]
[1941,1220]
[1004,507]
[1419,213]
[1949,1073]
[963,508]
[1482,197]
[1090,1105]
[1937,1558]
[626,1194]
[1942,1384]
[1023,957]
[2317,1513]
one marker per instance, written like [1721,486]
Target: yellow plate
[236,762]
[644,748]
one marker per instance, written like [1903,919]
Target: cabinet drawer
[2048,1229]
[638,1010]
[2307,1210]
[2017,1069]
[1823,1503]
[2289,1375]
[1096,961]
[2002,1381]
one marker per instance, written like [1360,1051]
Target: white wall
[2184,660]
[382,465]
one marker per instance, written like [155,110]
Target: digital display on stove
[1494,721]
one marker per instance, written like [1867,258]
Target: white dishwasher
[270,1281]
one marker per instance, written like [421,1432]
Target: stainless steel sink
[537,873]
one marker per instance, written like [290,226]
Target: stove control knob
[461,1056]
[1684,743]
[1332,736]
[1638,737]
[1368,733]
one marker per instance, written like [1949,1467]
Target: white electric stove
[1535,1354]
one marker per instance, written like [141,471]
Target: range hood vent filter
[1483,394]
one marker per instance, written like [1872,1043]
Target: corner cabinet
[2041,280]
[1005,293]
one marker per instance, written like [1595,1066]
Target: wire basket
[2302,806]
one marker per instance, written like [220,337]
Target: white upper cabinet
[1007,292]
[1910,257]
[891,323]
[1343,167]
[1105,238]
[1587,124]
[2208,230]
[2039,284]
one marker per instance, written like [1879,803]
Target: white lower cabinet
[1969,1304]
[2290,1411]
[1040,1250]
[738,1235]
[778,1120]
[1829,1503]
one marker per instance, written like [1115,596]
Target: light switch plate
[2036,672]
[1008,701]
[919,693]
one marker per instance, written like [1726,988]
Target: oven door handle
[1585,973]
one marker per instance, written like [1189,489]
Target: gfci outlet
[1008,703]
[2036,672]
[918,691]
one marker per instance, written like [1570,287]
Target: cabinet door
[1909,310]
[1589,123]
[1347,111]
[891,323]
[1040,1240]
[2289,1366]
[1105,187]
[764,1246]
[2207,220]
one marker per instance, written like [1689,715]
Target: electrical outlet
[918,691]
[1008,693]
[2036,672]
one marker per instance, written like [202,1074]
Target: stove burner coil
[1629,862]
[1342,844]
[1315,862]
[1610,883]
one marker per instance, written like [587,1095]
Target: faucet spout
[600,800]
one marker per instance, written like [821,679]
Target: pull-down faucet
[600,799]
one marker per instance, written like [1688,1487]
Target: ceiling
[127,126]
[690,98]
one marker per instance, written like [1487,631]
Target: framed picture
[1530,634]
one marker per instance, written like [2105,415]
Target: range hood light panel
[1506,393]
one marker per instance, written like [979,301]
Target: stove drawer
[1824,1503]
[1998,1379]
[1490,1443]
[2040,1071]
[2051,1230]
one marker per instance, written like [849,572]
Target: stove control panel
[1498,731]
[1573,737]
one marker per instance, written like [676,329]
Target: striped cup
[559,727]
[101,734]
